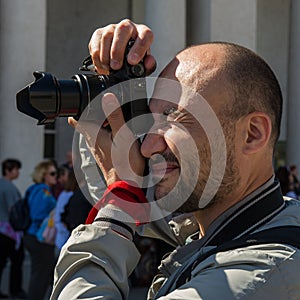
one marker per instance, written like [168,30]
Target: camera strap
[237,228]
[280,235]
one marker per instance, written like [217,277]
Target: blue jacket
[41,202]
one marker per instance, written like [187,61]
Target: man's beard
[185,196]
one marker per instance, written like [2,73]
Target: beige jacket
[96,262]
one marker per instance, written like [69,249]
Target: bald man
[216,112]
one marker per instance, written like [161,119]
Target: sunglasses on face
[53,173]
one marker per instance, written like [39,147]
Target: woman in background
[41,202]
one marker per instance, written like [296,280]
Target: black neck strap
[242,222]
[253,214]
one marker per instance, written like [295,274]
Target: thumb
[113,112]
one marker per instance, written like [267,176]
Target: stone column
[70,25]
[198,21]
[293,132]
[22,39]
[167,19]
[273,45]
[263,26]
[234,21]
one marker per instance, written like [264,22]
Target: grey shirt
[9,194]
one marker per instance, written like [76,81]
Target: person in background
[291,192]
[295,179]
[69,160]
[76,210]
[62,177]
[11,242]
[41,203]
[284,176]
[62,232]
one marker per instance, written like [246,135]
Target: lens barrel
[48,98]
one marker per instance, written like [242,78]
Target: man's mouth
[163,169]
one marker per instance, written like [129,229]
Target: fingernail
[133,57]
[110,103]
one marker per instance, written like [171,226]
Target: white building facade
[52,36]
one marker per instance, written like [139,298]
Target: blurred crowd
[57,206]
[289,182]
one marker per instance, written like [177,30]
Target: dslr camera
[47,97]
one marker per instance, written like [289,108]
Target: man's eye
[171,113]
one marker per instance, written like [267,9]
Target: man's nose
[153,143]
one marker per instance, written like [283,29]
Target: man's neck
[7,177]
[206,216]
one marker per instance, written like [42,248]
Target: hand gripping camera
[48,97]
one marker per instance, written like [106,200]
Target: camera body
[47,97]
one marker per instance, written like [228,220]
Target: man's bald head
[232,70]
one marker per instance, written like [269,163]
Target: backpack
[47,231]
[19,215]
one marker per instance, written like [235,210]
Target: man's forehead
[172,93]
[167,89]
[195,70]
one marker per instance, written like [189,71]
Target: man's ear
[258,132]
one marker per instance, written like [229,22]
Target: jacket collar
[243,218]
[247,215]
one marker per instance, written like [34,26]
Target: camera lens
[47,97]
